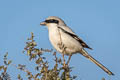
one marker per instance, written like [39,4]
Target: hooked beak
[43,23]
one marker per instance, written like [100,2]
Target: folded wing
[72,34]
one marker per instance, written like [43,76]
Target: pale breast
[55,38]
[70,44]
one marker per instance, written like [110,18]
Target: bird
[66,42]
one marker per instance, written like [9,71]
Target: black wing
[77,38]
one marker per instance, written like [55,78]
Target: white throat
[51,25]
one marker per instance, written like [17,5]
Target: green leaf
[1,67]
[9,62]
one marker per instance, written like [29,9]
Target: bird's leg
[62,47]
[64,64]
[63,60]
[68,60]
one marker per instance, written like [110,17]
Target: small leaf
[1,67]
[34,43]
[38,60]
[19,77]
[6,54]
[9,62]
[28,52]
[5,69]
[103,78]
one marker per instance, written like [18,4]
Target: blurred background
[97,22]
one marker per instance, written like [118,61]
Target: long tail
[85,54]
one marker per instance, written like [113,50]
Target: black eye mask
[52,21]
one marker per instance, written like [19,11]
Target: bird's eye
[47,21]
[52,21]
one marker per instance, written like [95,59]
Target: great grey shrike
[66,41]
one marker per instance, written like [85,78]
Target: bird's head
[53,20]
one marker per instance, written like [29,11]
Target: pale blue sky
[97,22]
